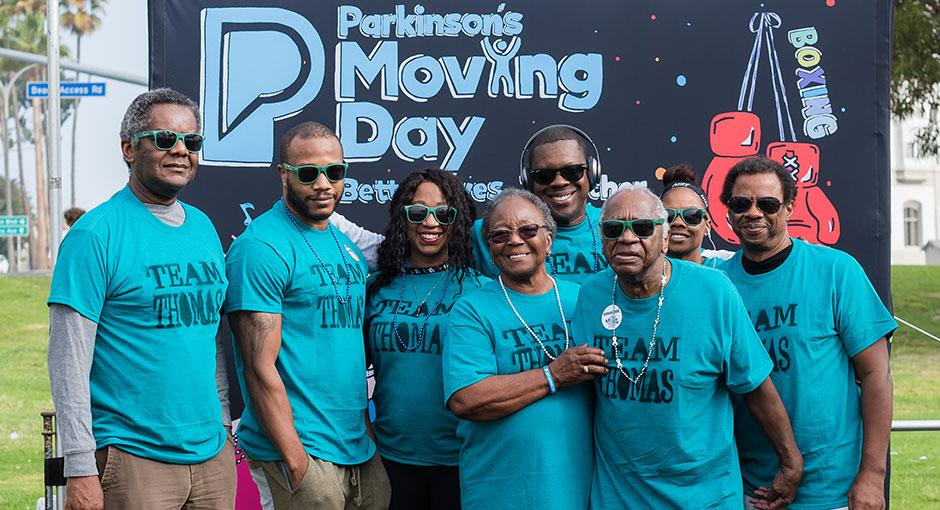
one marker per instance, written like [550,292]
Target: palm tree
[81,18]
[25,31]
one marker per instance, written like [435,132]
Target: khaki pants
[130,482]
[750,506]
[325,486]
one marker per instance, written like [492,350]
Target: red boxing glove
[814,218]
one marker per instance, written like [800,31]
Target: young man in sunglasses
[679,343]
[133,314]
[556,167]
[826,331]
[296,302]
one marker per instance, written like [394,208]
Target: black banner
[462,86]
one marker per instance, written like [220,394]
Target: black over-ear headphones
[593,159]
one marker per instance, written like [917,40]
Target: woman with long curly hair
[425,264]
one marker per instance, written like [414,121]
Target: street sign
[14,226]
[40,89]
[14,231]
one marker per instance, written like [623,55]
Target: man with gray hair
[133,313]
[680,342]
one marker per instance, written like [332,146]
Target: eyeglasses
[692,216]
[444,214]
[740,205]
[641,227]
[571,173]
[504,235]
[308,174]
[165,140]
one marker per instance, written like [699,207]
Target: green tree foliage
[16,199]
[915,70]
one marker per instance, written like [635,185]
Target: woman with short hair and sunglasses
[687,215]
[513,374]
[425,264]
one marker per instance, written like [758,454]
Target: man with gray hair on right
[680,342]
[133,314]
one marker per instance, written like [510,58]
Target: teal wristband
[551,382]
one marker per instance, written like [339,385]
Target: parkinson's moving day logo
[260,65]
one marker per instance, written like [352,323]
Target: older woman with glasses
[512,373]
[424,266]
[687,210]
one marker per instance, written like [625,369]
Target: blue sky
[120,44]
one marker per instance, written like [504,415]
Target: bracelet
[551,382]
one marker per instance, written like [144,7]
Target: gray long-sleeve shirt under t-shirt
[71,351]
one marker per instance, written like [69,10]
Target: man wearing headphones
[560,165]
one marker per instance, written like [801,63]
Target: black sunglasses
[444,214]
[308,174]
[692,216]
[165,140]
[641,227]
[571,173]
[504,235]
[740,205]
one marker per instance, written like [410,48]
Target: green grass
[915,363]
[24,388]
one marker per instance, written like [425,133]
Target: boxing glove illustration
[733,136]
[814,218]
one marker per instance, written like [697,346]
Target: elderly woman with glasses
[687,210]
[512,373]
[424,267]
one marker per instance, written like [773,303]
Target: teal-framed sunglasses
[641,227]
[308,174]
[165,139]
[417,213]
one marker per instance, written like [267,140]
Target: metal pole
[55,117]
[915,425]
[75,66]
[48,453]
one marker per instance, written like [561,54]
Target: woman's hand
[578,364]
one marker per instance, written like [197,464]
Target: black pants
[423,487]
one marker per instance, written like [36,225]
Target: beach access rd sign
[40,89]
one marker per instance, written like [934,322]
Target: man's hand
[84,493]
[867,493]
[297,465]
[782,492]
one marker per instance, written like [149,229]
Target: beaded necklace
[564,321]
[597,263]
[613,337]
[329,271]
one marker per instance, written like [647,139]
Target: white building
[915,193]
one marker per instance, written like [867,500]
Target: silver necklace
[424,326]
[564,321]
[420,308]
[613,337]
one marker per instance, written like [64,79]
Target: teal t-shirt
[576,251]
[412,425]
[322,359]
[540,456]
[669,442]
[155,292]
[822,312]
